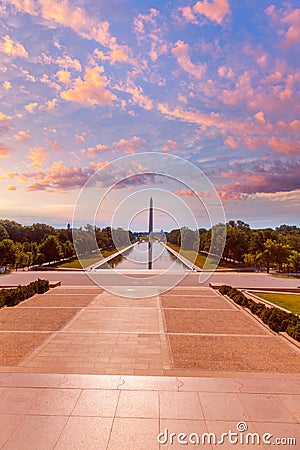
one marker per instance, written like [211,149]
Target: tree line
[267,248]
[28,245]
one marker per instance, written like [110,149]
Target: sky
[84,83]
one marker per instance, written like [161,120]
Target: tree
[14,229]
[237,240]
[38,232]
[51,249]
[250,260]
[294,261]
[287,229]
[279,252]
[120,237]
[84,240]
[8,253]
[189,239]
[64,235]
[263,259]
[68,249]
[174,237]
[21,260]
[3,233]
[256,244]
[293,240]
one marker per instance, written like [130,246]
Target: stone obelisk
[151,216]
[149,235]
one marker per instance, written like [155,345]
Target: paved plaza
[83,368]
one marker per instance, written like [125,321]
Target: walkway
[82,368]
[80,278]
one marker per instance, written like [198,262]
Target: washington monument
[150,231]
[151,216]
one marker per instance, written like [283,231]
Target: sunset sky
[214,82]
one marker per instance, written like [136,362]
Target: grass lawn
[285,276]
[200,259]
[287,301]
[87,261]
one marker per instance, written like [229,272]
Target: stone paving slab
[227,353]
[111,301]
[187,302]
[49,407]
[62,300]
[101,353]
[15,346]
[89,290]
[117,320]
[129,412]
[34,319]
[191,291]
[212,322]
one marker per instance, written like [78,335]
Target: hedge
[12,297]
[275,318]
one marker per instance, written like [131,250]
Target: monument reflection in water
[149,234]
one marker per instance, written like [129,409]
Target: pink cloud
[117,54]
[292,36]
[51,105]
[93,152]
[6,123]
[66,62]
[141,179]
[66,14]
[5,150]
[231,142]
[12,48]
[80,138]
[141,19]
[281,177]
[225,72]
[254,134]
[214,10]
[188,14]
[130,146]
[90,91]
[284,145]
[6,85]
[63,76]
[137,95]
[150,32]
[289,23]
[61,178]
[38,157]
[180,51]
[260,116]
[186,193]
[170,145]
[54,145]
[30,107]
[23,136]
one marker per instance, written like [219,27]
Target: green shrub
[12,297]
[2,300]
[295,332]
[275,318]
[224,289]
[278,320]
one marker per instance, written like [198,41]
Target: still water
[145,256]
